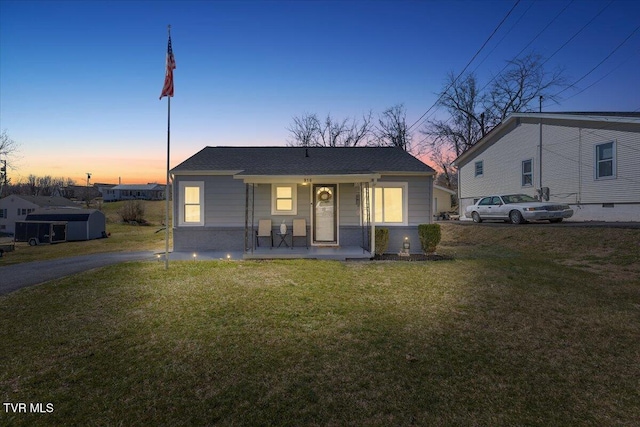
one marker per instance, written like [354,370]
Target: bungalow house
[16,208]
[223,194]
[132,192]
[590,161]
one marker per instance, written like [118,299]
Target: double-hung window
[527,173]
[391,203]
[284,199]
[479,168]
[605,160]
[191,203]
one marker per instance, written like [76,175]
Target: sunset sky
[80,80]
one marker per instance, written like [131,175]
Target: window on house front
[3,213]
[605,166]
[479,168]
[283,199]
[192,203]
[527,173]
[390,203]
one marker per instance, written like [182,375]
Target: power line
[529,44]
[601,62]
[466,66]
[578,32]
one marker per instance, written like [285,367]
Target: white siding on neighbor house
[502,165]
[568,164]
[625,187]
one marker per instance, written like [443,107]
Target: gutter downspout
[540,155]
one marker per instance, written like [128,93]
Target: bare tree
[524,81]
[309,131]
[472,111]
[304,130]
[392,129]
[8,146]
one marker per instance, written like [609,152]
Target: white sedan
[517,208]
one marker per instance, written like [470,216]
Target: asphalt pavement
[17,276]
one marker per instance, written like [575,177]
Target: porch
[340,253]
[313,252]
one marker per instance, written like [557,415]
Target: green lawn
[505,334]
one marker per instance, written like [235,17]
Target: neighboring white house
[590,161]
[442,201]
[132,192]
[16,208]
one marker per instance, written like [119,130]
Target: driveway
[17,276]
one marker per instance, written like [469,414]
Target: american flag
[167,89]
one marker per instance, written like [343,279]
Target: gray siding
[224,218]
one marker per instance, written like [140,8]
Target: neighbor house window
[391,203]
[191,203]
[283,199]
[527,173]
[3,213]
[479,168]
[605,166]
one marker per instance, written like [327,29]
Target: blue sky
[80,80]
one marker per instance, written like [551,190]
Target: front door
[325,213]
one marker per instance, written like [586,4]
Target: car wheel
[476,217]
[555,220]
[516,217]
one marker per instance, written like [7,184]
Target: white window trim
[522,184]
[596,161]
[405,204]
[475,169]
[183,185]
[294,200]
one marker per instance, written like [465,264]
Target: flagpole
[166,190]
[167,90]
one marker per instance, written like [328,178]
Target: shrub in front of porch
[382,240]
[430,236]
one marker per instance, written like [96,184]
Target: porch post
[372,191]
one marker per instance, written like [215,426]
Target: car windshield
[518,198]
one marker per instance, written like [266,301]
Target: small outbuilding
[82,224]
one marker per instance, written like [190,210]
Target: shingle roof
[44,201]
[303,161]
[60,214]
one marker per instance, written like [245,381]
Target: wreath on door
[324,196]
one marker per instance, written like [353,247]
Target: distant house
[81,192]
[341,194]
[442,201]
[16,208]
[82,224]
[590,161]
[133,192]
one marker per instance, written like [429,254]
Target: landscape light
[228,257]
[194,256]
